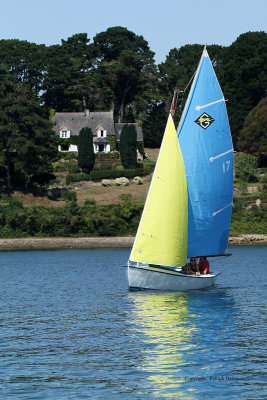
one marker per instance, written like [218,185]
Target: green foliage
[140,148]
[89,202]
[69,220]
[253,136]
[125,68]
[86,155]
[69,196]
[155,124]
[115,155]
[27,141]
[112,174]
[71,178]
[113,143]
[128,146]
[246,167]
[243,77]
[148,166]
[71,166]
[74,140]
[252,221]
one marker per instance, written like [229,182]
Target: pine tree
[128,146]
[86,155]
[26,136]
[253,137]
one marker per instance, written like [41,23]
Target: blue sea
[71,329]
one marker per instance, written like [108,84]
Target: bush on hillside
[246,167]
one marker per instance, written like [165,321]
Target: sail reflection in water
[168,330]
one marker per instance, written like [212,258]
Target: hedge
[71,178]
[106,174]
[109,174]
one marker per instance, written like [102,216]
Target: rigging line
[190,80]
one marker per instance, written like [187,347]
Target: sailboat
[187,212]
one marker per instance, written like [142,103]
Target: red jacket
[204,265]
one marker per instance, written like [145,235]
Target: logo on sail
[204,120]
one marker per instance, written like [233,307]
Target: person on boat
[191,267]
[203,266]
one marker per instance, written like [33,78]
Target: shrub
[137,180]
[128,146]
[246,167]
[112,174]
[71,178]
[86,155]
[69,196]
[89,202]
[140,147]
[107,182]
[114,154]
[122,181]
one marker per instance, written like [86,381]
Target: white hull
[161,278]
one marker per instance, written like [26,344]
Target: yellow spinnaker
[162,233]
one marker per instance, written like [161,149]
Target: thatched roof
[74,122]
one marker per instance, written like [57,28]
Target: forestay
[207,149]
[162,233]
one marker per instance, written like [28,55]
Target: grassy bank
[89,209]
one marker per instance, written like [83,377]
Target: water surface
[71,329]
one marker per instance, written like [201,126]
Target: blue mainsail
[207,149]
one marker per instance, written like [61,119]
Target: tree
[253,137]
[86,155]
[246,167]
[154,124]
[25,62]
[128,146]
[26,136]
[243,76]
[123,68]
[67,80]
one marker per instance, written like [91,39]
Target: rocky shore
[98,242]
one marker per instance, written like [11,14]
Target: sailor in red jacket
[204,266]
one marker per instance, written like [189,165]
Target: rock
[252,189]
[258,202]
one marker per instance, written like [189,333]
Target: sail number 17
[226,166]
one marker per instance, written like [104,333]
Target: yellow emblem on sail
[162,234]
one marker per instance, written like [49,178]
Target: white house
[67,125]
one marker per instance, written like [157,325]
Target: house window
[64,134]
[101,133]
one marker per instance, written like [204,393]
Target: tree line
[116,70]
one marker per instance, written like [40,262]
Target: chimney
[87,112]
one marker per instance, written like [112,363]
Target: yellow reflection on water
[166,324]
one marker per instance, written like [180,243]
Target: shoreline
[101,242]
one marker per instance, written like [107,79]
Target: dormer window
[64,134]
[101,132]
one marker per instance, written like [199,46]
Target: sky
[163,24]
